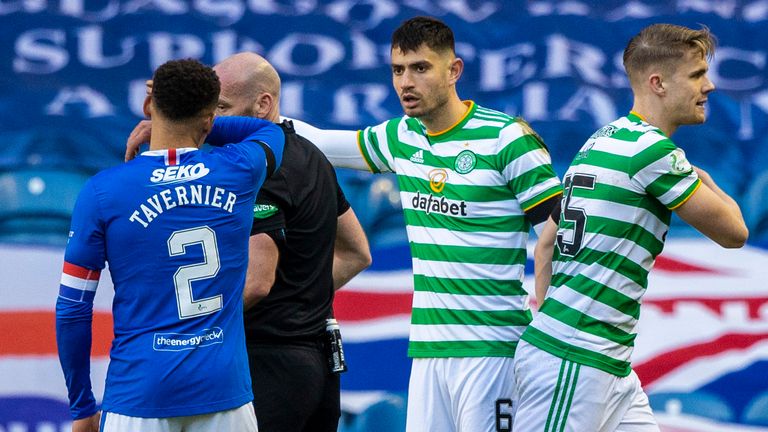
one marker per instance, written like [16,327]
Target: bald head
[250,86]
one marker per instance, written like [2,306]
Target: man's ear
[656,84]
[147,108]
[457,68]
[208,123]
[264,105]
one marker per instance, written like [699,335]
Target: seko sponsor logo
[179,174]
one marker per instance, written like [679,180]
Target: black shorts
[293,388]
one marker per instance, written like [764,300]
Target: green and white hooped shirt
[464,193]
[620,191]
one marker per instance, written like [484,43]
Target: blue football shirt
[174,227]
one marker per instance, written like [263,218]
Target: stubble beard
[414,112]
[695,118]
[685,117]
[433,111]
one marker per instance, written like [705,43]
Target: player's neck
[168,136]
[654,113]
[273,116]
[445,117]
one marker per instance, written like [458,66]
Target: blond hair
[664,45]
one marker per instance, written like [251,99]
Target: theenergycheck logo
[178,174]
[187,341]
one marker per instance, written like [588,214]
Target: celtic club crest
[465,162]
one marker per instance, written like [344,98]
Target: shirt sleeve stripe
[81,272]
[78,283]
[390,129]
[363,151]
[686,196]
[76,294]
[559,191]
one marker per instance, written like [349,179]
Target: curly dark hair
[419,30]
[181,89]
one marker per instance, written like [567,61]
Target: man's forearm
[730,203]
[340,147]
[351,253]
[73,339]
[542,260]
[263,256]
[347,267]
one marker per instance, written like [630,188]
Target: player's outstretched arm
[225,130]
[351,254]
[228,130]
[542,259]
[341,147]
[714,214]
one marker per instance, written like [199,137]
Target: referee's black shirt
[298,207]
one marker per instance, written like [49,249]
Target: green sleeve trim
[551,193]
[364,151]
[682,199]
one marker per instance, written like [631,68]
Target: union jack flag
[701,352]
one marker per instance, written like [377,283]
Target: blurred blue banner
[72,87]
[72,79]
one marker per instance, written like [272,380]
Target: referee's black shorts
[293,388]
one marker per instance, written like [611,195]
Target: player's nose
[405,81]
[709,86]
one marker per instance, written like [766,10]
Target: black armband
[278,236]
[543,210]
[555,215]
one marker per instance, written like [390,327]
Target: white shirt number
[185,275]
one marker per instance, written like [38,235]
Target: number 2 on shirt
[182,280]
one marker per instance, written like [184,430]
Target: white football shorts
[559,395]
[242,419]
[461,394]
